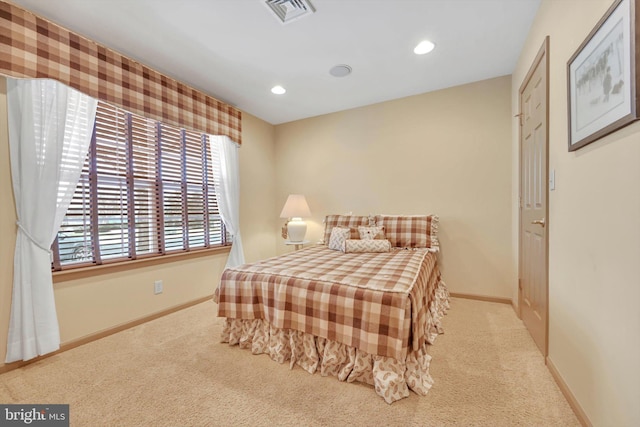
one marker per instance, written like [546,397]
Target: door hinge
[520,284]
[519,116]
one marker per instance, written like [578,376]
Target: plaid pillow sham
[410,231]
[350,221]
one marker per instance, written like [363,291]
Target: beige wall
[446,152]
[594,235]
[258,189]
[92,304]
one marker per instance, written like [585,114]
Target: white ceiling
[236,50]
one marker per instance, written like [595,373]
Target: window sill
[94,270]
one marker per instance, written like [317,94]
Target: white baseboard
[500,300]
[566,391]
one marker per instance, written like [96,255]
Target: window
[146,189]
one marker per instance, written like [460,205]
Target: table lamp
[295,209]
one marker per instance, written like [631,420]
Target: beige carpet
[174,372]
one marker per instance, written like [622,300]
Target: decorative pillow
[351,221]
[371,232]
[359,246]
[338,237]
[410,231]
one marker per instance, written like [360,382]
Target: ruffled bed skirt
[391,378]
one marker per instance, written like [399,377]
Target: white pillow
[360,246]
[338,236]
[372,232]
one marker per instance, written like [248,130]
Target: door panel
[533,277]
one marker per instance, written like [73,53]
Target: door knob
[539,222]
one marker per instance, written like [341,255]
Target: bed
[361,309]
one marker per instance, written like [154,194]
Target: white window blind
[146,190]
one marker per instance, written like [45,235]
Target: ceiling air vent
[289,10]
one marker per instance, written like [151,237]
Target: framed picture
[601,76]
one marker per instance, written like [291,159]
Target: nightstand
[297,245]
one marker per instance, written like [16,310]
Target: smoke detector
[289,10]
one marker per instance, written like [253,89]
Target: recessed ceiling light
[278,90]
[340,70]
[423,47]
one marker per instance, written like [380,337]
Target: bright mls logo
[34,415]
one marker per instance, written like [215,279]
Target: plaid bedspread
[376,302]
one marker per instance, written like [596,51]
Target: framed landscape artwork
[602,77]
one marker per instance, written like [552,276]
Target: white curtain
[50,127]
[226,180]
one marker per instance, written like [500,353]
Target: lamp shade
[295,207]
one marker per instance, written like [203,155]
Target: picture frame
[602,78]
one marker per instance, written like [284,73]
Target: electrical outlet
[157,287]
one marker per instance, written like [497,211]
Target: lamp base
[296,229]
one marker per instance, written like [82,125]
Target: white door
[533,277]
